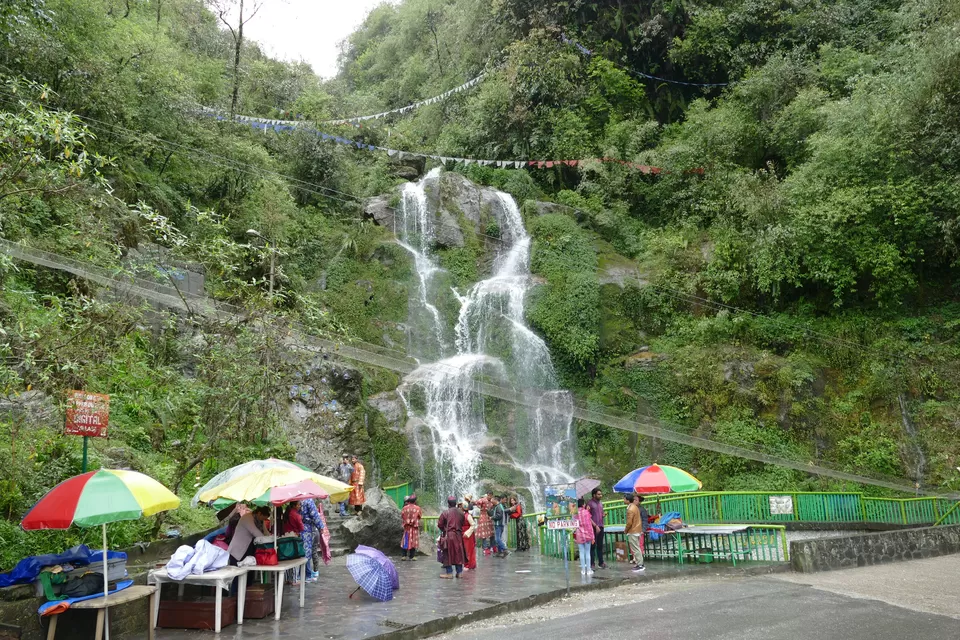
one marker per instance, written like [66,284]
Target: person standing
[251,525]
[636,526]
[484,523]
[313,526]
[499,516]
[450,524]
[516,514]
[345,472]
[596,513]
[357,478]
[584,536]
[410,516]
[469,536]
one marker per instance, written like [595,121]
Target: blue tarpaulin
[28,569]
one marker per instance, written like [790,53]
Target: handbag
[266,557]
[290,548]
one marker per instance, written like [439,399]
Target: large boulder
[380,210]
[377,526]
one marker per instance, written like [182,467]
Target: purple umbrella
[585,486]
[384,561]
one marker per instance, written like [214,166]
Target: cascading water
[414,230]
[491,339]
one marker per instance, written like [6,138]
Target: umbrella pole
[106,585]
[275,523]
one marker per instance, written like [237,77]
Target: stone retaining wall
[18,604]
[826,554]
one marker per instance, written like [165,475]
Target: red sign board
[87,414]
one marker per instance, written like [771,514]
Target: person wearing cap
[410,516]
[450,524]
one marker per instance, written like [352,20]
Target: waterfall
[413,227]
[491,339]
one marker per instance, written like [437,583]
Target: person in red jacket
[515,510]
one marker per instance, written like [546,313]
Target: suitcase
[259,601]
[196,613]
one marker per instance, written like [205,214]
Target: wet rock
[740,372]
[547,208]
[377,526]
[643,359]
[405,172]
[380,210]
[34,408]
[391,408]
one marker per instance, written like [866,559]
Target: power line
[161,294]
[587,52]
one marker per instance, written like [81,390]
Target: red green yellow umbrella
[97,498]
[657,479]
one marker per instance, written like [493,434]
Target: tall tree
[235,14]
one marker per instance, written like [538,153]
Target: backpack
[86,585]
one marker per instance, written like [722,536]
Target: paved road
[764,608]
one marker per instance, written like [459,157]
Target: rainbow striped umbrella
[657,479]
[97,498]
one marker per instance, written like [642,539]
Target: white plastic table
[278,570]
[221,579]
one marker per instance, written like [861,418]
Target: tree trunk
[238,42]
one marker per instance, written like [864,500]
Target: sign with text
[561,524]
[87,414]
[781,505]
[561,499]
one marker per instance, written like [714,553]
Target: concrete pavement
[837,607]
[426,604]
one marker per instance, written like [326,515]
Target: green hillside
[783,281]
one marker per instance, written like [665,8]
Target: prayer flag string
[278,126]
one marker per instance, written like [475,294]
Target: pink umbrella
[296,492]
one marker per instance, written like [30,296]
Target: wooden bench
[100,604]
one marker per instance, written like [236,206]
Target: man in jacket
[499,516]
[637,519]
[344,471]
[596,513]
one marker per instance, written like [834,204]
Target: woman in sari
[469,536]
[516,513]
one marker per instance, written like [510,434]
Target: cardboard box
[259,601]
[197,613]
[620,551]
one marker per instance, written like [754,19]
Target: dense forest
[783,280]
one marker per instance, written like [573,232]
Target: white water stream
[491,339]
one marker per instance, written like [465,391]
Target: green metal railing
[398,492]
[754,507]
[757,543]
